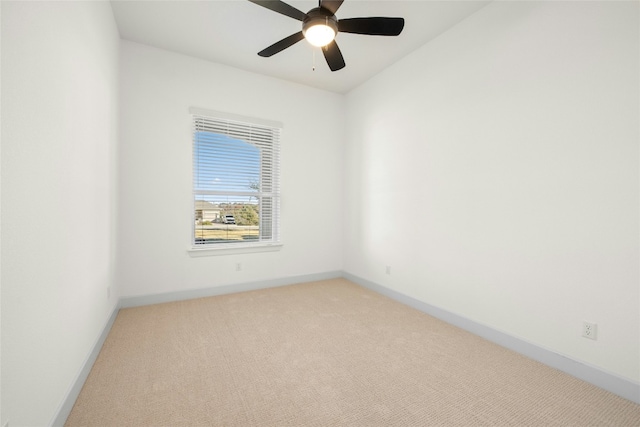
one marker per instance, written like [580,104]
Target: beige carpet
[327,353]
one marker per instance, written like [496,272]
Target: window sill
[232,249]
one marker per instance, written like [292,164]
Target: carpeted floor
[327,353]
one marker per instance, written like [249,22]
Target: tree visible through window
[235,182]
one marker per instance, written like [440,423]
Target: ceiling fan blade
[333,56]
[281,7]
[375,26]
[282,44]
[331,5]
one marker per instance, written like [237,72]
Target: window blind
[236,192]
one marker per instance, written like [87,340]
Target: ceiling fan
[320,26]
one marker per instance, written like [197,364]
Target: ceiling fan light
[319,35]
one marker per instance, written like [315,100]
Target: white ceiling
[232,32]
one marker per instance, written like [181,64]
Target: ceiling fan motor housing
[320,27]
[320,16]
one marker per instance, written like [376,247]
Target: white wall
[157,89]
[495,170]
[1,417]
[59,135]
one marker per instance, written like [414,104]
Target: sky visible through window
[226,164]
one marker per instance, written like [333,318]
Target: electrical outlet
[238,266]
[590,330]
[388,269]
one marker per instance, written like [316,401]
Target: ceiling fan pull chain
[313,68]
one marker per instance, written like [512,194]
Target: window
[236,194]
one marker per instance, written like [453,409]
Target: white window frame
[228,124]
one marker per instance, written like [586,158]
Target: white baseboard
[66,406]
[137,301]
[606,380]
